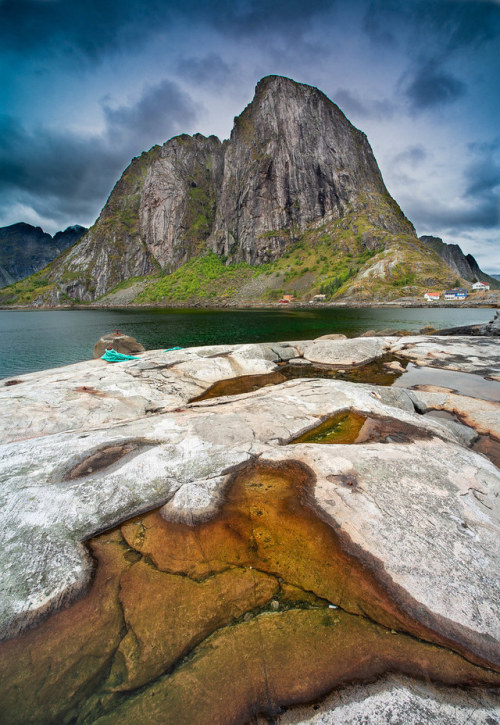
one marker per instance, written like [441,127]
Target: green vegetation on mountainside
[351,257]
[202,278]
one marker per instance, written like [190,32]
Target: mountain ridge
[464,265]
[293,200]
[25,249]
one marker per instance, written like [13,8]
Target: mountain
[293,201]
[465,266]
[495,276]
[25,249]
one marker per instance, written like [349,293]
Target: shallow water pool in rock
[262,606]
[351,426]
[374,373]
[425,378]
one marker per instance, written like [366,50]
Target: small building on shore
[456,294]
[432,296]
[480,286]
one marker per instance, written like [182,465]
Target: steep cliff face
[295,180]
[179,198]
[25,249]
[293,159]
[464,265]
[112,250]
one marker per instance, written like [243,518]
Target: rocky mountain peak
[294,172]
[293,159]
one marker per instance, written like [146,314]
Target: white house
[480,286]
[432,296]
[455,294]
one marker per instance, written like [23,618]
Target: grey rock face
[25,249]
[293,158]
[179,197]
[293,161]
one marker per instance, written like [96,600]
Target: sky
[85,85]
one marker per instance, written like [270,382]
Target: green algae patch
[343,427]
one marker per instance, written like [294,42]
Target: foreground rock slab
[242,535]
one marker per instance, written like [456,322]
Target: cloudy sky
[87,84]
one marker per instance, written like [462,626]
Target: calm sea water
[33,340]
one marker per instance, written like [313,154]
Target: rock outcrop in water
[25,249]
[295,178]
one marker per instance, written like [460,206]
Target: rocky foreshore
[173,557]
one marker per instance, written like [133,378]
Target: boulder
[124,344]
[347,352]
[333,336]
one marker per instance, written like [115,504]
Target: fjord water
[33,340]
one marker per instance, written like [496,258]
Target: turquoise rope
[113,356]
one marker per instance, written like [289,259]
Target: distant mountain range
[293,202]
[25,249]
[465,266]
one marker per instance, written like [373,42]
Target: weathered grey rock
[25,249]
[45,509]
[464,354]
[97,393]
[481,415]
[464,266]
[397,700]
[346,352]
[124,344]
[333,336]
[394,365]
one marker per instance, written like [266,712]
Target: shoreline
[264,306]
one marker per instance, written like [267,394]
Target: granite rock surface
[92,445]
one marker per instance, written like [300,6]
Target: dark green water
[35,340]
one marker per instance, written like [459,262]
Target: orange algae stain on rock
[152,600]
[45,672]
[284,658]
[269,522]
[219,621]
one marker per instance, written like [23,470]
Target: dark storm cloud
[206,70]
[444,26]
[483,181]
[351,103]
[162,110]
[249,16]
[479,205]
[431,86]
[91,28]
[61,174]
